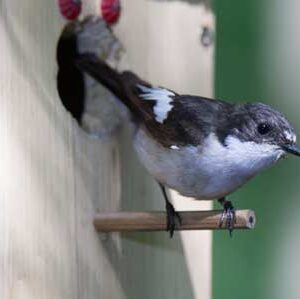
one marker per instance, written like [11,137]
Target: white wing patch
[163,100]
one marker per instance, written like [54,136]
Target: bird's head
[259,134]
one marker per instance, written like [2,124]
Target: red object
[70,9]
[111,10]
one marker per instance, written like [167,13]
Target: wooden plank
[163,43]
[51,171]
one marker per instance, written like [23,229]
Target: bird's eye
[264,128]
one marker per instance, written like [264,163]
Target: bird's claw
[172,215]
[228,215]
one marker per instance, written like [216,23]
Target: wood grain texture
[56,178]
[156,221]
[51,171]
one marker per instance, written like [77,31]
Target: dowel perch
[156,221]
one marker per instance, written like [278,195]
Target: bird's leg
[228,213]
[171,213]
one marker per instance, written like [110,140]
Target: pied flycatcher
[202,148]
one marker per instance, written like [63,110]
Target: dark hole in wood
[70,81]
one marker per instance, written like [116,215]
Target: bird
[203,148]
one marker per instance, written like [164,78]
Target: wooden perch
[156,221]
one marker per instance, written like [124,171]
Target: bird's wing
[172,119]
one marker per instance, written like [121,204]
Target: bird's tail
[100,71]
[122,85]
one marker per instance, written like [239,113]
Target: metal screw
[207,36]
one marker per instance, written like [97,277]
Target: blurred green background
[257,59]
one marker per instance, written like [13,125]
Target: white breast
[209,171]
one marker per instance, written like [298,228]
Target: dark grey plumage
[192,118]
[200,147]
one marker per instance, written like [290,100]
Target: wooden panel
[54,178]
[51,172]
[163,43]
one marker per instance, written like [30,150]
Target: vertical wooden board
[97,189]
[38,212]
[51,172]
[163,44]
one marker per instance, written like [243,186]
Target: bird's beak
[292,149]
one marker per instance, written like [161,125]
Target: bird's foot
[228,215]
[172,216]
